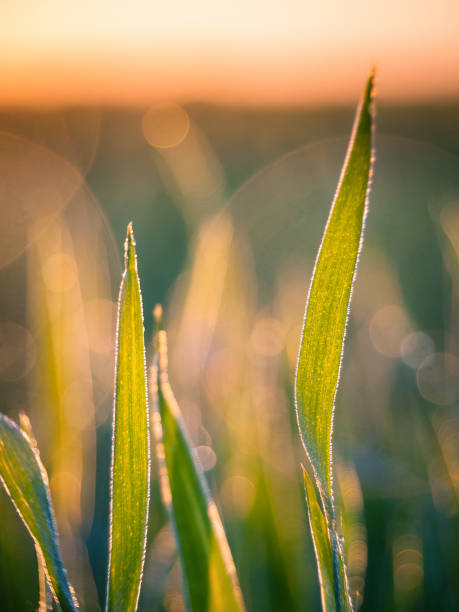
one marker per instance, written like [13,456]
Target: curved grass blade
[208,568]
[130,467]
[26,482]
[327,311]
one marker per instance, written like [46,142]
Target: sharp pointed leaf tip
[130,257]
[129,244]
[130,231]
[370,89]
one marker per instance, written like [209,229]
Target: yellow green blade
[329,297]
[326,316]
[130,468]
[210,578]
[26,482]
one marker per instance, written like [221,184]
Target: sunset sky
[238,51]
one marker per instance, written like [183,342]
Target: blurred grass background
[228,205]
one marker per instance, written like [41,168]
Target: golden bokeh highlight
[437,378]
[415,347]
[165,126]
[60,272]
[388,327]
[408,563]
[206,456]
[37,185]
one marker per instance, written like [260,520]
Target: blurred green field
[228,206]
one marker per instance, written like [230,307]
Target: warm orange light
[238,51]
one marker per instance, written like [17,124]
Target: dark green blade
[130,469]
[26,482]
[326,316]
[208,568]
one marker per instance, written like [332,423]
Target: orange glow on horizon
[232,53]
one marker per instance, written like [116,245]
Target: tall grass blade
[209,573]
[327,311]
[26,482]
[130,468]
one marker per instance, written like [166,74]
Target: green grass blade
[322,548]
[208,568]
[327,311]
[26,482]
[329,297]
[130,468]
